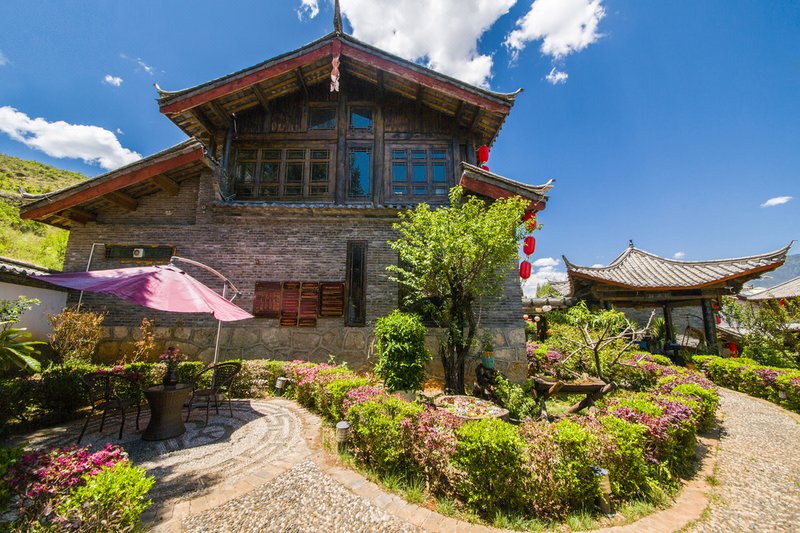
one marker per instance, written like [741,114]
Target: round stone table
[166,411]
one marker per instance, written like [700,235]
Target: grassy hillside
[23,239]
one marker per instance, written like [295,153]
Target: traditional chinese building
[294,171]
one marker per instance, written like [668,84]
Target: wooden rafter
[298,72]
[203,120]
[79,215]
[168,185]
[262,98]
[123,200]
[223,114]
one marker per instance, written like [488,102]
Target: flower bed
[71,489]
[778,385]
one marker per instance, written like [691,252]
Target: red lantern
[529,245]
[483,154]
[485,167]
[717,319]
[525,270]
[530,220]
[732,348]
[715,306]
[782,302]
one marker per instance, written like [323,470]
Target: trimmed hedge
[778,385]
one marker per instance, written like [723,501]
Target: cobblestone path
[758,469]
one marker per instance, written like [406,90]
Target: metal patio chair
[104,395]
[222,376]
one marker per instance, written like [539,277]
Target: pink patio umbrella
[162,287]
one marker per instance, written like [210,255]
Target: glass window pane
[360,171]
[440,191]
[438,172]
[319,154]
[269,172]
[356,283]
[245,155]
[295,154]
[398,154]
[269,190]
[247,173]
[319,172]
[294,173]
[322,118]
[318,190]
[271,155]
[419,173]
[418,154]
[360,118]
[420,191]
[399,172]
[399,191]
[294,190]
[438,154]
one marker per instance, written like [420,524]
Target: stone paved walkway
[758,469]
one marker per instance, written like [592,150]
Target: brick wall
[250,245]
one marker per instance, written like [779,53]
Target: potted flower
[487,351]
[171,358]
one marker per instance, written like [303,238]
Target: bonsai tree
[452,257]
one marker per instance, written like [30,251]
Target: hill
[789,270]
[24,239]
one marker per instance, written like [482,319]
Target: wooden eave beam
[203,120]
[262,98]
[168,185]
[123,200]
[76,214]
[475,119]
[298,72]
[459,112]
[119,182]
[223,114]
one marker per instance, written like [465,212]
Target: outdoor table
[166,406]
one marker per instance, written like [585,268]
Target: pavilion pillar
[668,327]
[709,325]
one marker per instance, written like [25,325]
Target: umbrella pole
[219,330]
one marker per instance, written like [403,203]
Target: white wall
[35,319]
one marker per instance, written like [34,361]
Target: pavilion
[637,278]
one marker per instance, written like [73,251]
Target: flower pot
[487,359]
[170,378]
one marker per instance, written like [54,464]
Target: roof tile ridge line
[496,94]
[25,264]
[168,96]
[765,255]
[612,264]
[763,291]
[524,185]
[89,182]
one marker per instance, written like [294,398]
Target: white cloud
[3,59]
[441,35]
[119,131]
[546,272]
[92,144]
[545,262]
[563,26]
[556,77]
[142,65]
[778,200]
[679,255]
[308,8]
[116,81]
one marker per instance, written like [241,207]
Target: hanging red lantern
[485,167]
[529,245]
[525,270]
[717,319]
[732,348]
[530,220]
[483,154]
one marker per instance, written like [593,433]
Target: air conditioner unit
[138,253]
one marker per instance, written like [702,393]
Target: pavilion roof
[491,185]
[787,289]
[80,203]
[640,270]
[205,109]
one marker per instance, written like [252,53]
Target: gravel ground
[758,469]
[303,499]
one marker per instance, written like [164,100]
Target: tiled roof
[562,287]
[20,268]
[636,268]
[787,289]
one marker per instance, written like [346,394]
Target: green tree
[452,257]
[768,330]
[15,350]
[547,291]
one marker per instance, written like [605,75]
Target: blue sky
[677,121]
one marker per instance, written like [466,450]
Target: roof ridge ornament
[337,17]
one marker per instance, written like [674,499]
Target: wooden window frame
[409,161]
[360,320]
[367,147]
[315,106]
[308,161]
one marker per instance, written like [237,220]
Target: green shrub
[767,355]
[333,394]
[62,391]
[516,399]
[376,436]
[708,399]
[257,378]
[8,458]
[18,395]
[491,455]
[629,471]
[577,446]
[400,345]
[112,500]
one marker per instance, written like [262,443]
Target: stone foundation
[346,344]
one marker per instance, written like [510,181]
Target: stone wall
[249,245]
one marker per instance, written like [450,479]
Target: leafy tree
[547,291]
[452,257]
[767,330]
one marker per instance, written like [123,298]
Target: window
[282,173]
[419,172]
[356,306]
[322,118]
[360,172]
[361,118]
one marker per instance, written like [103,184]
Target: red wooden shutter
[331,299]
[309,304]
[290,303]
[267,299]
